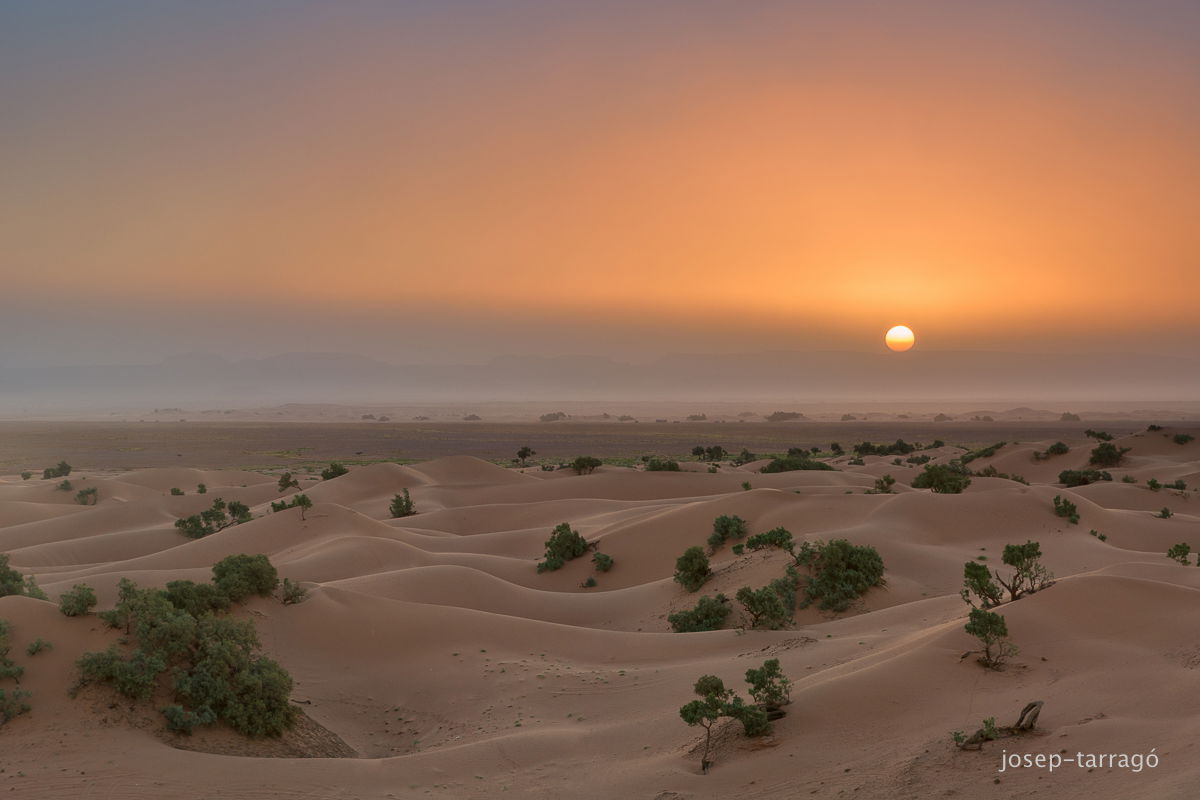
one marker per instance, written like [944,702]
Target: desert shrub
[691,569]
[65,486]
[240,576]
[26,475]
[197,599]
[991,630]
[38,645]
[1065,508]
[239,512]
[13,582]
[60,470]
[841,572]
[856,462]
[8,669]
[553,416]
[662,465]
[745,457]
[1082,477]
[784,416]
[181,720]
[525,453]
[984,452]
[883,485]
[564,544]
[1058,449]
[334,470]
[32,589]
[771,606]
[402,505]
[87,497]
[176,491]
[776,537]
[1180,484]
[1180,552]
[724,528]
[12,703]
[769,687]
[300,501]
[1182,438]
[286,481]
[738,549]
[1165,513]
[923,458]
[754,719]
[590,582]
[977,581]
[836,448]
[793,463]
[201,488]
[602,561]
[1107,454]
[746,486]
[292,592]
[897,448]
[78,601]
[942,479]
[584,465]
[709,614]
[1099,436]
[1153,485]
[1029,575]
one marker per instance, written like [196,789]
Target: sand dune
[431,648]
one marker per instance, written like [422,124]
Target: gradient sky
[452,180]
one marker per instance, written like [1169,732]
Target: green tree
[525,453]
[725,528]
[1107,454]
[991,630]
[1030,574]
[692,569]
[201,488]
[711,706]
[584,465]
[302,502]
[602,561]
[1180,552]
[771,606]
[286,481]
[769,687]
[977,580]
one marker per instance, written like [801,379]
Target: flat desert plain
[431,659]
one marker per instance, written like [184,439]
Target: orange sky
[985,175]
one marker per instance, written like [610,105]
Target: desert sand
[431,659]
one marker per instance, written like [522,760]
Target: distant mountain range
[795,376]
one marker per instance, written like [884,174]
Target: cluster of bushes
[983,452]
[726,527]
[1180,552]
[709,614]
[564,544]
[883,485]
[990,471]
[12,701]
[334,470]
[553,416]
[1182,438]
[784,416]
[213,662]
[769,688]
[897,448]
[1107,454]
[60,470]
[841,572]
[1100,436]
[1029,576]
[286,481]
[1056,449]
[793,462]
[300,501]
[219,517]
[922,458]
[584,465]
[656,464]
[712,453]
[87,497]
[950,478]
[1065,508]
[1082,477]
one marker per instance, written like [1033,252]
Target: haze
[445,183]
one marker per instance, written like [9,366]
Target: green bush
[26,475]
[1058,449]
[985,452]
[1029,575]
[65,486]
[78,601]
[1180,552]
[584,465]
[334,470]
[201,488]
[1107,454]
[197,599]
[1180,485]
[12,582]
[883,485]
[590,582]
[793,463]
[292,593]
[240,576]
[300,501]
[181,720]
[602,561]
[37,646]
[991,630]
[662,465]
[841,572]
[12,704]
[287,481]
[402,505]
[1182,438]
[176,491]
[1082,477]
[709,614]
[1065,508]
[691,569]
[564,544]
[898,448]
[60,470]
[87,497]
[8,669]
[1153,485]
[724,528]
[776,537]
[1100,436]
[1166,513]
[942,479]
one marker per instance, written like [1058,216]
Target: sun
[900,338]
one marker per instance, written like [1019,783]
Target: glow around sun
[900,338]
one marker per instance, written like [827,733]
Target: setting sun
[899,338]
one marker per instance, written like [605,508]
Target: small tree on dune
[977,580]
[991,630]
[768,685]
[564,544]
[402,505]
[707,710]
[525,453]
[692,569]
[286,481]
[584,465]
[302,502]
